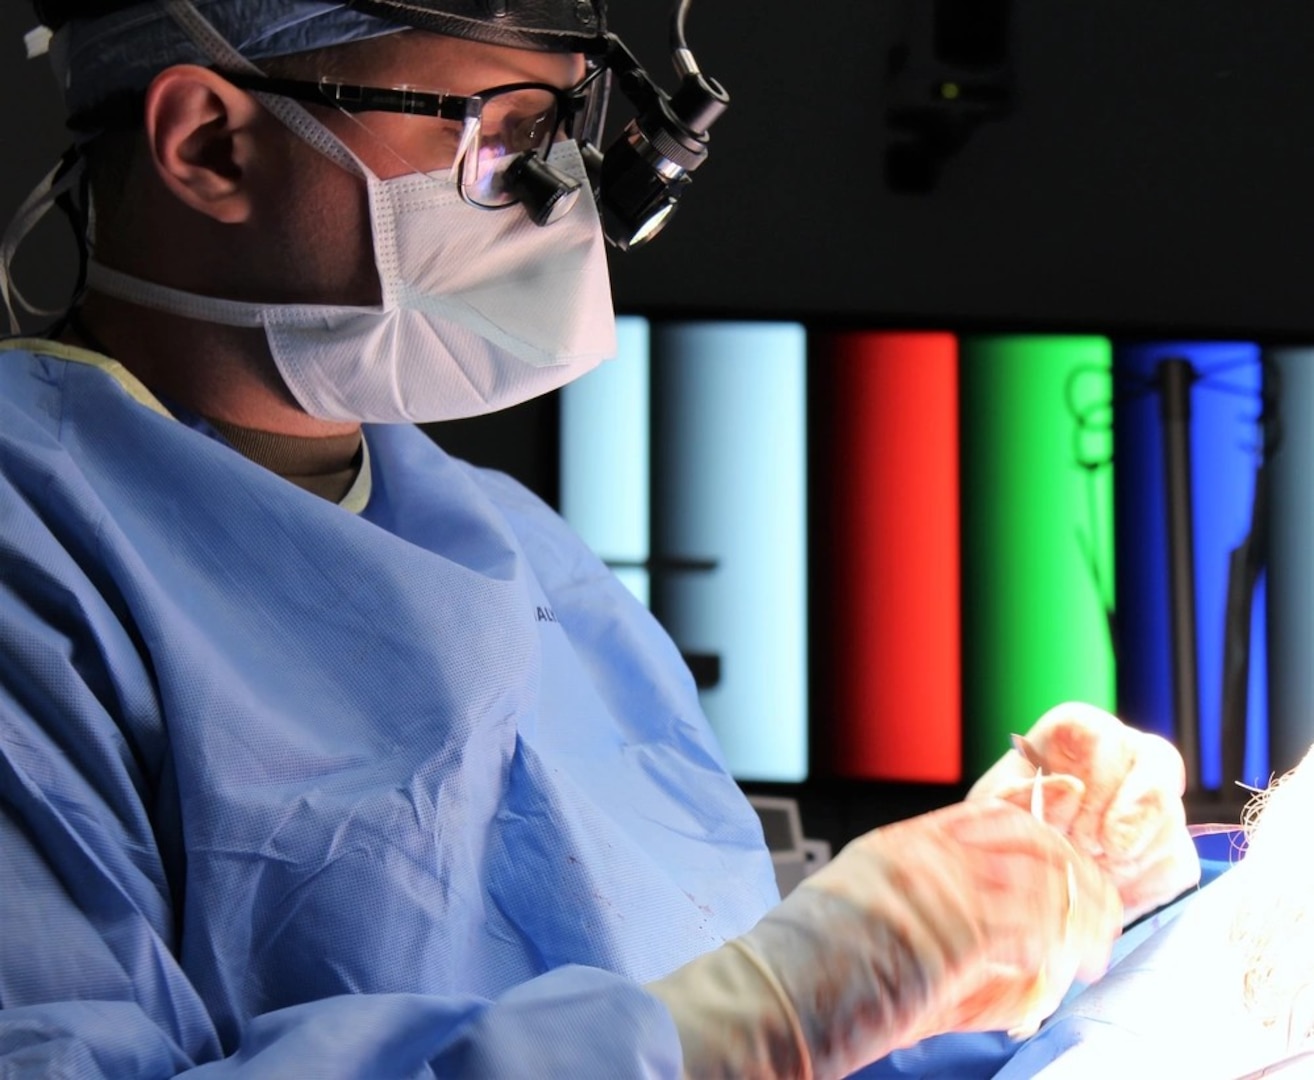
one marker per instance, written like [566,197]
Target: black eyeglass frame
[586,99]
[410,101]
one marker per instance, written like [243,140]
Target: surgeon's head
[393,196]
[165,95]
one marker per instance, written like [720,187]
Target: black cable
[677,27]
[1247,563]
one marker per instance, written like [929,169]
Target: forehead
[436,61]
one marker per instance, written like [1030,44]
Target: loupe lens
[546,192]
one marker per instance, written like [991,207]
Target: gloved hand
[1115,792]
[975,917]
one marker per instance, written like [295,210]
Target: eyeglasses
[476,136]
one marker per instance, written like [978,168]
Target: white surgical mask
[480,309]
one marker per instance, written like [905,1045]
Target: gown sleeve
[92,907]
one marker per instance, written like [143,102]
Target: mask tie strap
[80,211]
[52,189]
[148,294]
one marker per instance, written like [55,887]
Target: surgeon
[294,780]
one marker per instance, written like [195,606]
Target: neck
[224,373]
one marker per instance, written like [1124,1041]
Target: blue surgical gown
[292,790]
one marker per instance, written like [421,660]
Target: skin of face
[318,221]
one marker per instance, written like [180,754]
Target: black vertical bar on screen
[1236,663]
[1175,378]
[1246,564]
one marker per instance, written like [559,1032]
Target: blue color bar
[729,530]
[1224,454]
[604,456]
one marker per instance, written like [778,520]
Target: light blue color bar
[638,581]
[1291,561]
[730,487]
[605,491]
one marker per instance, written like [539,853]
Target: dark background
[1148,170]
[1155,170]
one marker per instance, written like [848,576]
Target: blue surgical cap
[96,59]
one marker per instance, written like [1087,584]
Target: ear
[202,133]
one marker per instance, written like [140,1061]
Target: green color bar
[1037,533]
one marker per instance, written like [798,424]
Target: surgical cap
[98,59]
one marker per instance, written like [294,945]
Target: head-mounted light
[644,172]
[640,178]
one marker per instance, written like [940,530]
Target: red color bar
[892,580]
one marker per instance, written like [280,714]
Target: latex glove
[1115,792]
[972,918]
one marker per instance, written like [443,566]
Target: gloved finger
[1060,798]
[1006,774]
[1149,796]
[1088,742]
[1168,868]
[1092,915]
